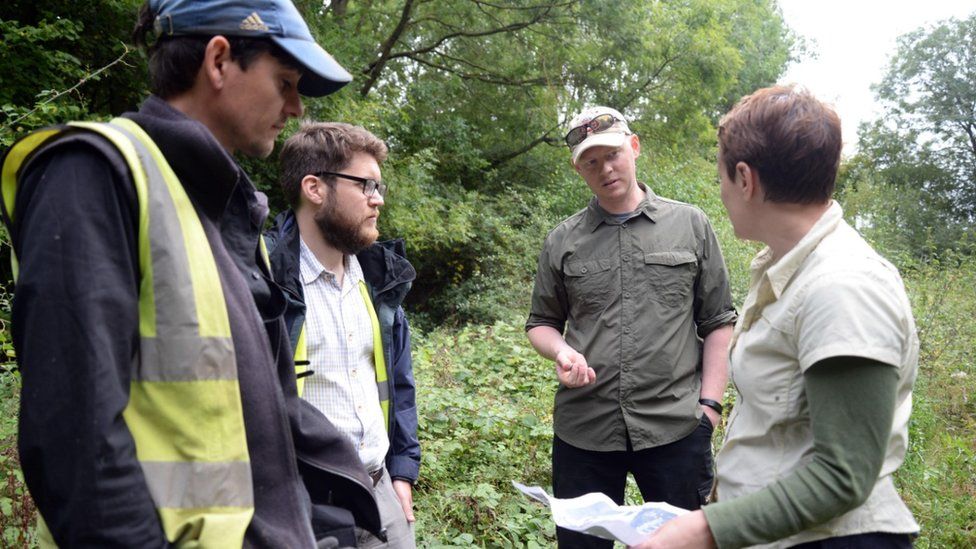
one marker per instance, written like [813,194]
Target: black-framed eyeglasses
[598,124]
[370,186]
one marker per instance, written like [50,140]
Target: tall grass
[938,479]
[480,387]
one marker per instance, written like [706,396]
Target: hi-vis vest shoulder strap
[379,360]
[184,409]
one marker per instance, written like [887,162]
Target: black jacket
[75,329]
[388,276]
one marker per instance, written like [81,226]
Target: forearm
[547,341]
[847,457]
[715,353]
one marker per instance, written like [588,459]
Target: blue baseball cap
[277,20]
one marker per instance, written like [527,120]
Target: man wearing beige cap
[632,302]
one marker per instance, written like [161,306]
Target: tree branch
[544,138]
[376,67]
[487,76]
[54,97]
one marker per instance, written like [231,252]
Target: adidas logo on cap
[253,22]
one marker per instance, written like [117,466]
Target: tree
[51,46]
[474,97]
[921,154]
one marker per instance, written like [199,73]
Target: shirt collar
[595,214]
[781,272]
[311,269]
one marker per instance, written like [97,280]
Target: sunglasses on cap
[598,124]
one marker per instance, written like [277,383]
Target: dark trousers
[874,540]
[679,473]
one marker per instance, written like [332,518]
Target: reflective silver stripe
[168,358]
[172,286]
[177,353]
[199,484]
[383,388]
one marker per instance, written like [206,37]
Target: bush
[485,407]
[938,479]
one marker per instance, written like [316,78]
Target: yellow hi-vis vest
[379,361]
[184,409]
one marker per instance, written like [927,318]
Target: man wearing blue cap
[159,402]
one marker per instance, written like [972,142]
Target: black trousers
[874,540]
[679,473]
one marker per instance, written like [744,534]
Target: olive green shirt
[635,298]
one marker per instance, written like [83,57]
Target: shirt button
[626,329]
[627,294]
[626,258]
[349,337]
[362,445]
[624,225]
[353,373]
[255,275]
[583,270]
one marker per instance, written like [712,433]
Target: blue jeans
[679,473]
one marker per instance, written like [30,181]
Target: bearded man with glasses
[344,315]
[632,302]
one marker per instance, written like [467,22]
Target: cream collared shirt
[339,333]
[831,295]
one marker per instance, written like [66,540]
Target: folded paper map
[596,514]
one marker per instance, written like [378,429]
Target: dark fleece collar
[207,171]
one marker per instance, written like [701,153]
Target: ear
[313,190]
[635,144]
[216,58]
[747,181]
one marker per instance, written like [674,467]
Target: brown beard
[340,231]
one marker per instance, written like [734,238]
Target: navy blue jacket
[388,276]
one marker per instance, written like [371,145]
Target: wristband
[713,404]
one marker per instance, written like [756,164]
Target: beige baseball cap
[596,127]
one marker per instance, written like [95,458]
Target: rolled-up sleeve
[713,298]
[549,306]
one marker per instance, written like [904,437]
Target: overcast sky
[853,41]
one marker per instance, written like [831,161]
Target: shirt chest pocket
[590,284]
[670,276]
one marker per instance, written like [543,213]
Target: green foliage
[51,46]
[25,49]
[485,420]
[938,479]
[474,97]
[485,402]
[929,90]
[894,211]
[914,176]
[18,514]
[17,511]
